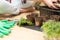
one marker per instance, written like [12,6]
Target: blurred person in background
[15,6]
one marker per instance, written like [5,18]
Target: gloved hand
[50,3]
[4,27]
[4,31]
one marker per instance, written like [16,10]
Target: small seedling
[24,21]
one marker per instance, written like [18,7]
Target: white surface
[14,7]
[21,33]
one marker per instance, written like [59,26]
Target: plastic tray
[44,10]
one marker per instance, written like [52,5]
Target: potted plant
[31,17]
[52,30]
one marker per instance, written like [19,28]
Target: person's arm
[50,3]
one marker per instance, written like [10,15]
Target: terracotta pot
[30,18]
[38,21]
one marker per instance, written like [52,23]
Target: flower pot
[30,18]
[38,21]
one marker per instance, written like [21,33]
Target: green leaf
[51,28]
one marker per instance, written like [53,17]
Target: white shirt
[13,7]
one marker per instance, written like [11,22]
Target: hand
[57,4]
[50,3]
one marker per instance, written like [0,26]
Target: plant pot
[30,18]
[38,21]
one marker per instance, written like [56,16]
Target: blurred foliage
[37,5]
[24,21]
[52,28]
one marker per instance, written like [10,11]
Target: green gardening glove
[4,27]
[9,24]
[4,30]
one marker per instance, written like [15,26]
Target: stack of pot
[35,19]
